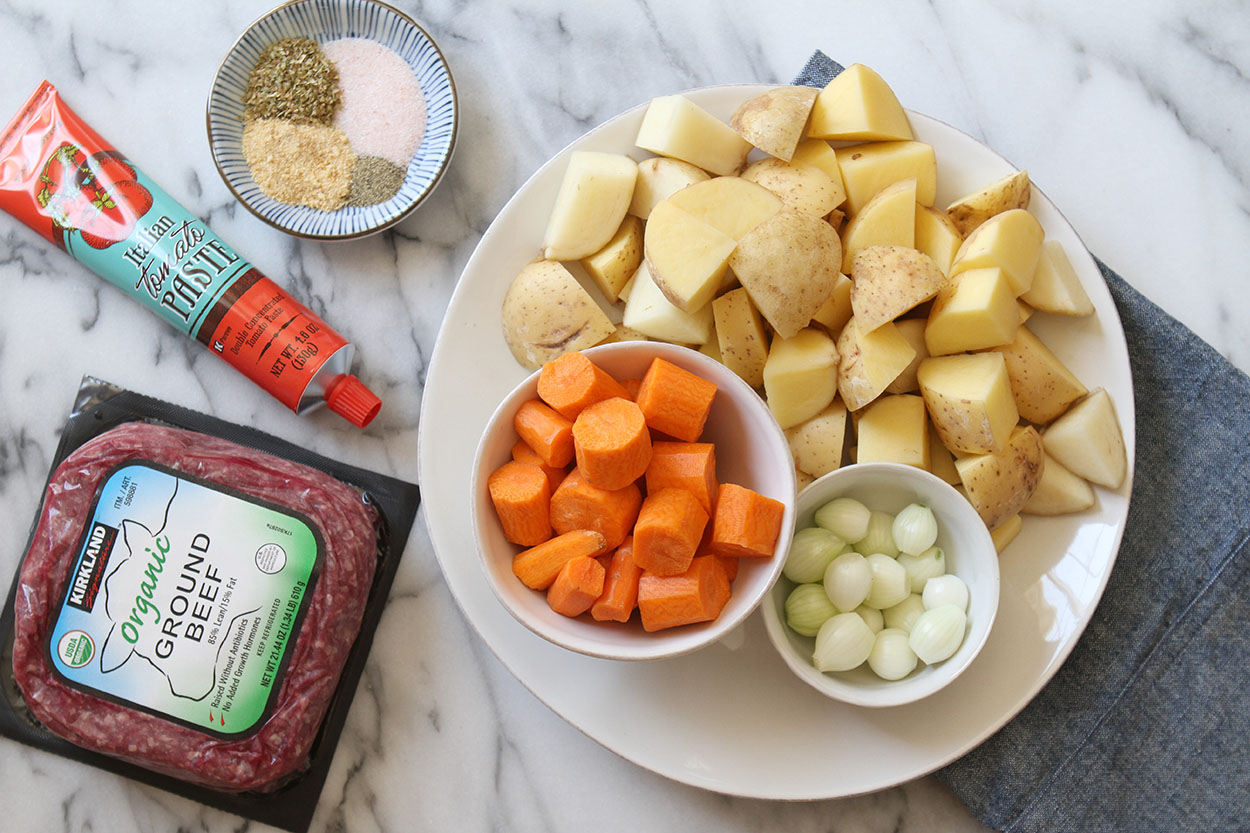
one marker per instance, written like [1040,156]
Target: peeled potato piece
[593,198]
[1059,492]
[858,104]
[1087,439]
[1056,287]
[799,376]
[675,126]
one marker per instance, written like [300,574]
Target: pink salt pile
[383,109]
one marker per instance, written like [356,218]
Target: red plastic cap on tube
[349,398]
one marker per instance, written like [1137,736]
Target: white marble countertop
[1136,125]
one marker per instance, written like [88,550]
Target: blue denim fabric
[1146,726]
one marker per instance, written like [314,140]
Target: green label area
[184,599]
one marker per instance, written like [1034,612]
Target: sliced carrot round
[612,443]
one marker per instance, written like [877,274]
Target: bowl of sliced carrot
[632,501]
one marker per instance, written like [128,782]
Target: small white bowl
[970,554]
[323,21]
[751,450]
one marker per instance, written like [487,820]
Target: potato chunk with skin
[1088,441]
[969,400]
[658,179]
[890,280]
[1042,385]
[889,219]
[817,443]
[741,336]
[866,169]
[999,485]
[800,376]
[593,198]
[971,210]
[974,311]
[870,362]
[858,104]
[802,187]
[789,266]
[675,126]
[546,312]
[1056,287]
[612,266]
[1011,241]
[894,429]
[775,121]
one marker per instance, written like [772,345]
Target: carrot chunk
[571,383]
[631,387]
[538,566]
[576,504]
[689,466]
[730,566]
[545,431]
[620,586]
[522,497]
[576,587]
[746,523]
[697,595]
[667,534]
[611,443]
[522,453]
[674,400]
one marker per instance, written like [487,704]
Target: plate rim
[1126,411]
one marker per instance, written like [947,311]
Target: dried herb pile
[293,137]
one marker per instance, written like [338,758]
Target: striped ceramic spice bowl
[326,21]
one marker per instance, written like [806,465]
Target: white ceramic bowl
[751,450]
[322,21]
[970,554]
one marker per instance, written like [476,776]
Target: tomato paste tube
[60,178]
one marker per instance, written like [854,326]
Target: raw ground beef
[280,747]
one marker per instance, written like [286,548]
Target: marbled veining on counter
[1133,118]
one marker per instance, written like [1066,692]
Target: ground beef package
[196,604]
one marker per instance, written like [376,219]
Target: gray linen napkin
[1145,727]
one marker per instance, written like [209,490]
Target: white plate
[732,718]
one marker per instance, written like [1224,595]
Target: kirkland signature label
[184,599]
